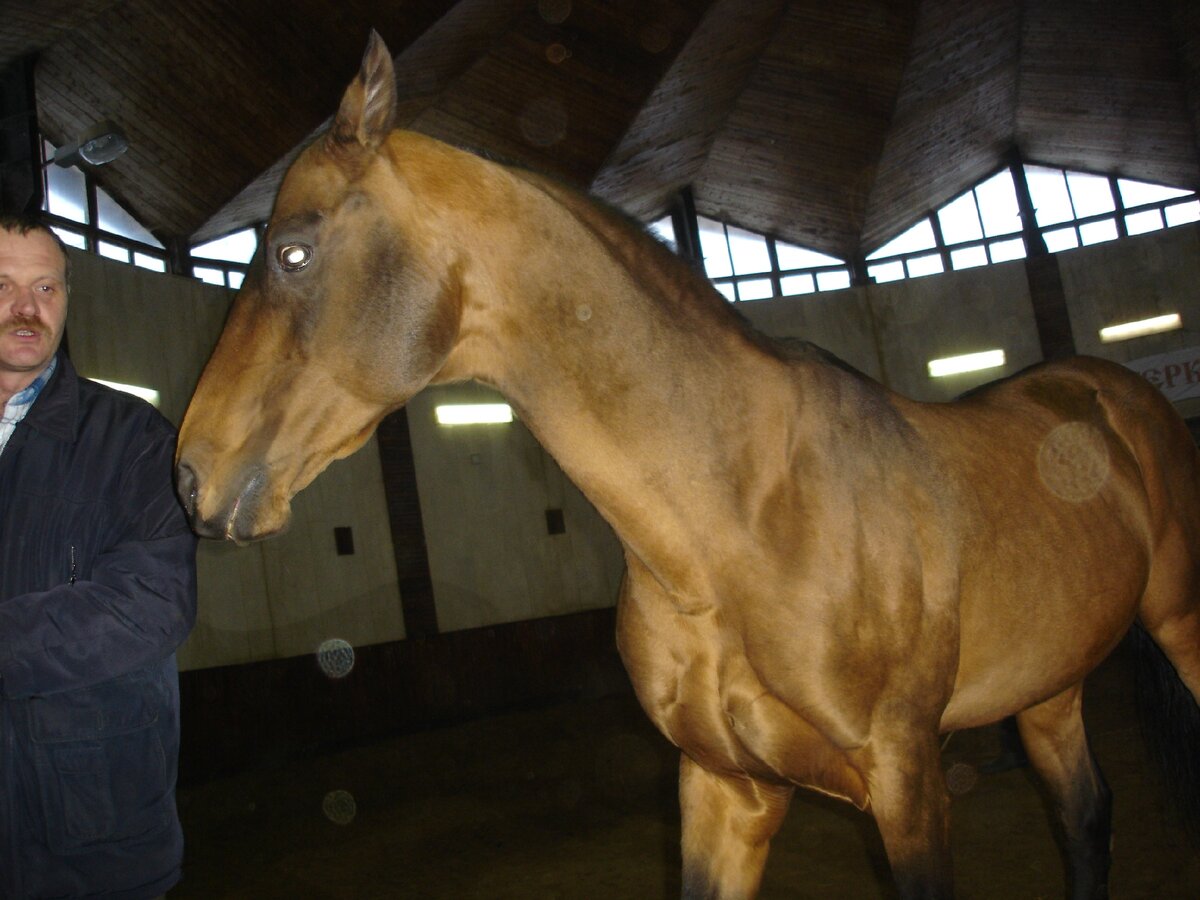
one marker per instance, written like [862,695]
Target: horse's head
[344,315]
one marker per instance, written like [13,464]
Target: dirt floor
[579,801]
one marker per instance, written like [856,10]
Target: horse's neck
[649,399]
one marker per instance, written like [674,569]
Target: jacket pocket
[78,796]
[102,771]
[57,540]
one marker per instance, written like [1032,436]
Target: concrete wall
[1135,278]
[890,331]
[484,491]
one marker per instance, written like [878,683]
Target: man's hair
[23,224]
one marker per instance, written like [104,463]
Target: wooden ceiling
[829,124]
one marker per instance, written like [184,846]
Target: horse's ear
[368,110]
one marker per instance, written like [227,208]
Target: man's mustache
[31,323]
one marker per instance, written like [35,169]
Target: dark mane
[799,350]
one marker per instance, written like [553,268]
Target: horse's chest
[697,686]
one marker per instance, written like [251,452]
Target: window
[1071,209]
[664,230]
[715,249]
[224,261]
[744,265]
[237,247]
[115,220]
[66,194]
[86,217]
[1060,196]
[1091,209]
[919,237]
[997,201]
[1175,206]
[976,228]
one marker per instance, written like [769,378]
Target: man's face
[33,302]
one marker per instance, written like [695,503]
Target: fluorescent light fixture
[969,362]
[1140,328]
[148,394]
[473,414]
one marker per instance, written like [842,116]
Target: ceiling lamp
[99,144]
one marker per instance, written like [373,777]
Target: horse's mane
[666,277]
[799,350]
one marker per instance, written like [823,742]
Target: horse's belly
[1039,624]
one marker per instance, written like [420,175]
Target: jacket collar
[55,411]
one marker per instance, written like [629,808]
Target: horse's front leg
[728,823]
[911,806]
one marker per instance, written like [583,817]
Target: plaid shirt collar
[20,402]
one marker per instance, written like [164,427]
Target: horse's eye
[294,257]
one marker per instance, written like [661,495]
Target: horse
[822,576]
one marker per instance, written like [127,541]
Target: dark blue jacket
[97,590]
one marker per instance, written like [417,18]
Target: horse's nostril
[187,486]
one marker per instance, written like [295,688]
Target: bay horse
[822,576]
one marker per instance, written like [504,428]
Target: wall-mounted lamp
[968,362]
[474,414]
[1141,328]
[99,144]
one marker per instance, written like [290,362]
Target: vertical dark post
[858,270]
[179,257]
[687,229]
[20,142]
[1045,281]
[408,529]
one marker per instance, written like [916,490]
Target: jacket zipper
[71,580]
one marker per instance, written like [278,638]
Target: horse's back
[1119,403]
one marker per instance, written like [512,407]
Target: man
[97,590]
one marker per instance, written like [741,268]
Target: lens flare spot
[544,121]
[1073,461]
[335,657]
[339,807]
[554,11]
[655,38]
[961,778]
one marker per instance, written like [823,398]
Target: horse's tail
[1170,721]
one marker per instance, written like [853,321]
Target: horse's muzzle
[240,519]
[187,487]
